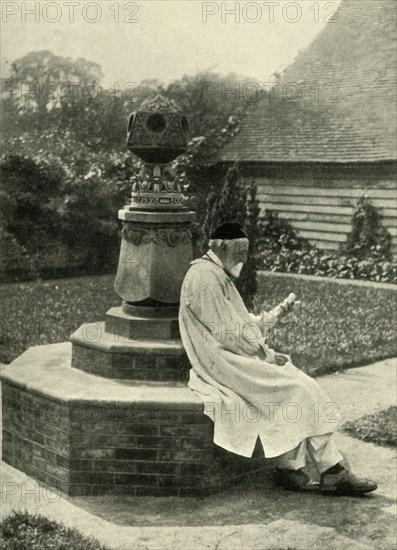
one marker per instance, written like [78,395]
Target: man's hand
[281,360]
[287,306]
[268,319]
[293,305]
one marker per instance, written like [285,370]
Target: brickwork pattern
[92,449]
[145,328]
[131,366]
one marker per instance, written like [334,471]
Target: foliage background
[65,172]
[64,164]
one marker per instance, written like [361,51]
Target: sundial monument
[110,411]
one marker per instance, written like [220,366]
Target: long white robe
[245,392]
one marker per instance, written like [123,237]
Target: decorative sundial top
[157,131]
[157,134]
[159,103]
[156,245]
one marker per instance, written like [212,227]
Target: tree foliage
[28,196]
[66,169]
[44,80]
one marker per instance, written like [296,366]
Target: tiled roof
[353,61]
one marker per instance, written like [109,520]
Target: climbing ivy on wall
[366,254]
[368,239]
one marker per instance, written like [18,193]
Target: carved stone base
[155,254]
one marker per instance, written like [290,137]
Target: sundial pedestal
[110,412]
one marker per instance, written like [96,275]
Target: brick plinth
[131,366]
[86,435]
[131,327]
[97,351]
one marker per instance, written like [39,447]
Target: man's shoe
[345,483]
[295,480]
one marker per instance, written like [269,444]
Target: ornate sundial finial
[157,134]
[157,131]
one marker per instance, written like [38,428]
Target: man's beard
[236,269]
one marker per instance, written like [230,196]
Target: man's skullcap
[230,230]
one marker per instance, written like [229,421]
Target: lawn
[379,428]
[45,312]
[338,326]
[22,531]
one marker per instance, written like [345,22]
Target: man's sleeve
[264,323]
[218,319]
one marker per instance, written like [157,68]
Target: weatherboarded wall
[319,199]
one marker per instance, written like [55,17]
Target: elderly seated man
[249,390]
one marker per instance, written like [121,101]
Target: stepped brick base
[112,356]
[88,435]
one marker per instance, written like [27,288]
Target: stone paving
[255,514]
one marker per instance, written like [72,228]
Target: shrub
[368,240]
[236,202]
[63,215]
[29,190]
[363,257]
[15,263]
[247,282]
[276,234]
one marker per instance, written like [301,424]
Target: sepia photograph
[198,275]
